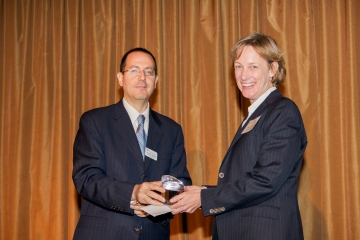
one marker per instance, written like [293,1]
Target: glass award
[172,186]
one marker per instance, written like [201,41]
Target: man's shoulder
[100,111]
[162,119]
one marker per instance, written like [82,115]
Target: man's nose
[142,75]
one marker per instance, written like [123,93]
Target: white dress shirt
[257,103]
[133,114]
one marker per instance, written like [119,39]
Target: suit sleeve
[274,153]
[89,170]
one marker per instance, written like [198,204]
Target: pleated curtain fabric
[59,58]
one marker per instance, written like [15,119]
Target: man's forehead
[139,55]
[139,58]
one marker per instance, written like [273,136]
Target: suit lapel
[239,131]
[256,114]
[125,129]
[154,135]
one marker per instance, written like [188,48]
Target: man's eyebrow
[134,66]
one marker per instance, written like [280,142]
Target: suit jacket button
[211,210]
[137,229]
[222,209]
[221,175]
[142,175]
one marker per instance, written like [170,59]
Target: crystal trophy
[172,186]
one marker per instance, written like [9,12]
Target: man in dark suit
[256,195]
[120,154]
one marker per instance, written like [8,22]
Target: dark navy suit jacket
[256,195]
[108,163]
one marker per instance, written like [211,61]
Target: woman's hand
[188,201]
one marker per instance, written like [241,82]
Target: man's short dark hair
[123,60]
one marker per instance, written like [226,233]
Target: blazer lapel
[125,129]
[256,114]
[154,135]
[238,133]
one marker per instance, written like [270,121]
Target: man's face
[253,74]
[138,88]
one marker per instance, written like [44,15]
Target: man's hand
[188,201]
[145,193]
[137,209]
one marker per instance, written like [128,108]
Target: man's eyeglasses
[135,71]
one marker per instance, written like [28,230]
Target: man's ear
[156,79]
[120,77]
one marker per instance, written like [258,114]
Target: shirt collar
[260,100]
[133,114]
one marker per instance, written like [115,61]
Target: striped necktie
[140,134]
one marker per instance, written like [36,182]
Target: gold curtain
[59,58]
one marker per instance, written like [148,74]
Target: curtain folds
[59,58]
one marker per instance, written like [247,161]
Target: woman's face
[253,74]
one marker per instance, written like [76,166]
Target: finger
[155,202]
[140,213]
[155,187]
[137,207]
[146,200]
[176,198]
[176,207]
[191,188]
[176,211]
[157,183]
[145,187]
[193,210]
[156,196]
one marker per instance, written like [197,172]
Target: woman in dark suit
[256,194]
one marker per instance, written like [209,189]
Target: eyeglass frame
[139,71]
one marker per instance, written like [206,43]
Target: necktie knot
[141,120]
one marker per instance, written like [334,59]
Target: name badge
[251,125]
[151,154]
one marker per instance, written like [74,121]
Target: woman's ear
[274,66]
